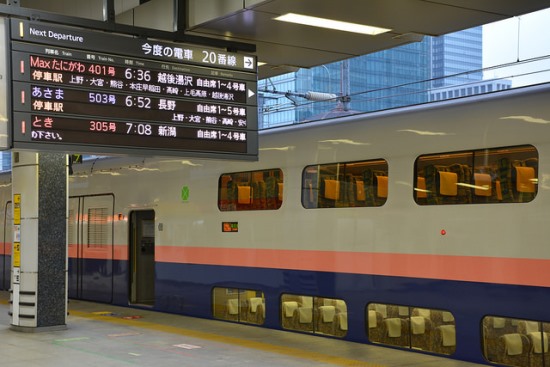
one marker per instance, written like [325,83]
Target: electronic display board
[89,91]
[4,91]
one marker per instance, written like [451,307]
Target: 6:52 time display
[138,101]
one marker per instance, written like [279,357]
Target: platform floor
[109,336]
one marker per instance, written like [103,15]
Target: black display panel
[86,91]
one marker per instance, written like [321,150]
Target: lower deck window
[516,342]
[411,327]
[319,315]
[241,305]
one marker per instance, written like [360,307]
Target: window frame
[477,176]
[251,190]
[344,185]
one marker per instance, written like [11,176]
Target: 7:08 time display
[131,127]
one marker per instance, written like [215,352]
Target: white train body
[472,260]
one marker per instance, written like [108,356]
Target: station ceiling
[285,47]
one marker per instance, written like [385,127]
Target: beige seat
[287,314]
[303,319]
[374,326]
[395,331]
[325,319]
[421,332]
[444,339]
[539,349]
[494,328]
[513,349]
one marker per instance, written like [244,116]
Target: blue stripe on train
[187,289]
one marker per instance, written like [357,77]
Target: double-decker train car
[425,228]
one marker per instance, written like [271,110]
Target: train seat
[255,309]
[382,186]
[526,327]
[421,193]
[325,319]
[305,301]
[244,195]
[341,324]
[448,183]
[421,333]
[513,349]
[375,320]
[395,331]
[493,328]
[340,306]
[381,308]
[232,309]
[424,312]
[483,184]
[442,317]
[525,178]
[303,319]
[288,309]
[539,349]
[444,339]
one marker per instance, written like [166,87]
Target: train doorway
[91,249]
[142,257]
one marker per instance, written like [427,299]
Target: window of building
[498,175]
[343,185]
[425,329]
[318,315]
[240,305]
[516,342]
[253,190]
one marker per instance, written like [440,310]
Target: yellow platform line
[288,351]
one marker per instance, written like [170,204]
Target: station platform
[110,336]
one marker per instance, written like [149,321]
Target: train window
[425,329]
[516,342]
[98,227]
[254,190]
[319,315]
[241,305]
[343,185]
[497,175]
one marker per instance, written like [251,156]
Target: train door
[142,257]
[91,247]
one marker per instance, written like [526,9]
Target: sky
[500,47]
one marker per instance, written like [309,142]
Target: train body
[443,207]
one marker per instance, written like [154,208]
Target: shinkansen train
[424,228]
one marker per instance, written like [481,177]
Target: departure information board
[89,91]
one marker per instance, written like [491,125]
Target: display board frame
[108,93]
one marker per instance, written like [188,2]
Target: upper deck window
[253,190]
[496,175]
[343,185]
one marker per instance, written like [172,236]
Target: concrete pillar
[39,256]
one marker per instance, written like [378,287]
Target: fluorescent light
[331,24]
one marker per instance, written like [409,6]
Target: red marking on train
[498,270]
[443,232]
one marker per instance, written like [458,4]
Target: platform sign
[87,91]
[16,252]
